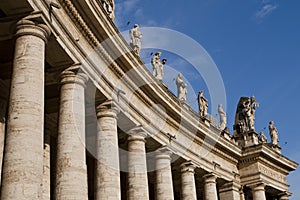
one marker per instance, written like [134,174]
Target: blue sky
[255,45]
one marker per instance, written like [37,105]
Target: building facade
[79,119]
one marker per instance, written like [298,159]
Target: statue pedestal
[275,147]
[185,105]
[205,121]
[226,134]
[247,139]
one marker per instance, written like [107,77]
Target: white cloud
[265,10]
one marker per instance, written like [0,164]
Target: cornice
[263,153]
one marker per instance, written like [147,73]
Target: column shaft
[188,185]
[258,192]
[230,190]
[210,187]
[137,165]
[164,182]
[23,159]
[71,170]
[107,165]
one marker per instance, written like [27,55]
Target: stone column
[164,182]
[107,170]
[210,187]
[258,191]
[46,166]
[137,165]
[23,159]
[188,185]
[230,190]
[71,170]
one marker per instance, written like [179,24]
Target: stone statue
[135,39]
[109,6]
[273,133]
[202,104]
[245,114]
[181,88]
[262,138]
[223,119]
[158,65]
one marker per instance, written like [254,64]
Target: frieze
[271,173]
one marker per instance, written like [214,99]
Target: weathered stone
[210,187]
[71,175]
[137,165]
[107,174]
[23,159]
[230,191]
[188,185]
[164,183]
[258,191]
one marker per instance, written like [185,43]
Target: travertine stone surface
[230,191]
[71,175]
[188,186]
[23,159]
[107,174]
[46,166]
[137,165]
[258,191]
[164,182]
[210,187]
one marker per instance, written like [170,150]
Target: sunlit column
[164,182]
[137,165]
[230,190]
[107,172]
[188,185]
[258,191]
[210,187]
[71,170]
[23,159]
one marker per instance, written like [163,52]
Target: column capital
[73,74]
[188,167]
[108,109]
[230,186]
[210,178]
[137,133]
[28,27]
[163,153]
[260,186]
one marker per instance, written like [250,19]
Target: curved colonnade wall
[80,119]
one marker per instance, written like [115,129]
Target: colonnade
[26,160]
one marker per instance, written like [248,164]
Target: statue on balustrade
[135,39]
[245,115]
[223,118]
[109,6]
[202,104]
[158,66]
[273,133]
[181,88]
